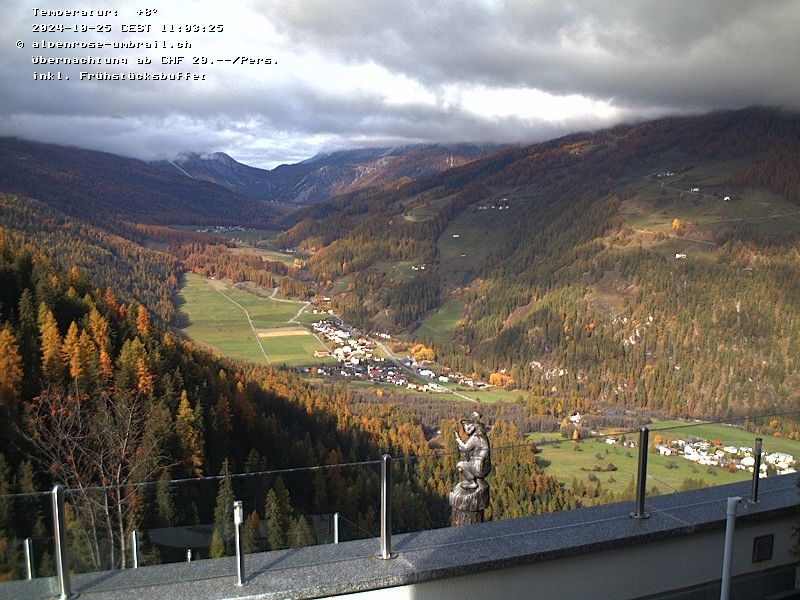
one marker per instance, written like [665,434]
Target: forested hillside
[98,397]
[107,189]
[654,265]
[93,254]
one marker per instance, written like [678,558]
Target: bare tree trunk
[121,528]
[110,528]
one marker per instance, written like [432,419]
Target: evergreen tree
[277,521]
[217,547]
[30,519]
[9,545]
[165,501]
[251,532]
[28,341]
[300,534]
[223,512]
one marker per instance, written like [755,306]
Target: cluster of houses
[424,371]
[356,357]
[704,453]
[348,348]
[501,205]
[220,229]
[357,360]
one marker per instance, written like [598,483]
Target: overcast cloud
[366,72]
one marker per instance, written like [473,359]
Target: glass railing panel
[687,455]
[292,508]
[578,471]
[26,546]
[173,520]
[419,493]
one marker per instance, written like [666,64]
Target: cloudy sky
[350,73]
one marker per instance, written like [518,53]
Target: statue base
[465,517]
[468,504]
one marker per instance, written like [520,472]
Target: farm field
[213,319]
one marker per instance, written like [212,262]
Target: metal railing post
[756,471]
[60,538]
[336,528]
[727,557]
[135,548]
[386,507]
[27,545]
[238,519]
[641,476]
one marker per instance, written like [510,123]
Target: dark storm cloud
[635,59]
[681,53]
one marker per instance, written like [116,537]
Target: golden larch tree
[188,436]
[50,345]
[71,354]
[99,329]
[142,321]
[10,369]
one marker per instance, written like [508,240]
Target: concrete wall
[688,565]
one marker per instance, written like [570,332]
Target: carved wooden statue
[470,497]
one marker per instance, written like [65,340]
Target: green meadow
[213,315]
[440,325]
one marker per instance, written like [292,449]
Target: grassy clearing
[308,318]
[654,207]
[440,325]
[215,321]
[264,312]
[489,396]
[400,270]
[255,235]
[265,255]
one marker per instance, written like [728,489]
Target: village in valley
[715,454]
[358,360]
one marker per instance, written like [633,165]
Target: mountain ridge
[327,174]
